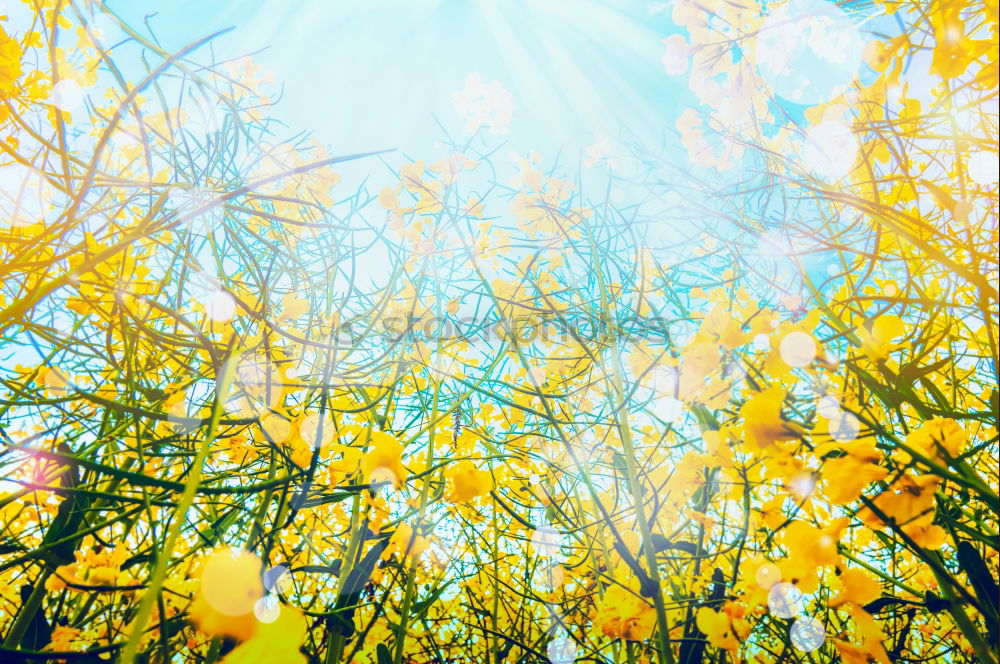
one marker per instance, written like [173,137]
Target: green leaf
[383,654]
[661,543]
[343,619]
[69,516]
[982,581]
[420,608]
[358,577]
[38,633]
[910,373]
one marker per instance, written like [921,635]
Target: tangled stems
[178,520]
[610,430]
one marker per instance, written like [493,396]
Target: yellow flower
[213,623]
[852,654]
[859,587]
[65,639]
[725,628]
[809,549]
[389,198]
[877,342]
[56,381]
[953,50]
[104,565]
[103,576]
[715,626]
[762,422]
[938,437]
[277,428]
[230,586]
[700,359]
[292,307]
[623,614]
[926,534]
[10,63]
[275,642]
[721,325]
[846,477]
[64,574]
[466,482]
[910,504]
[870,636]
[383,461]
[341,469]
[406,542]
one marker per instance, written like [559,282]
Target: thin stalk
[28,611]
[412,571]
[177,523]
[664,654]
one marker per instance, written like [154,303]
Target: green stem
[412,571]
[664,654]
[179,520]
[984,654]
[335,642]
[28,611]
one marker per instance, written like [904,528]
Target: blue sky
[381,74]
[371,75]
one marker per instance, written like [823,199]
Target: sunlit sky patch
[569,81]
[380,74]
